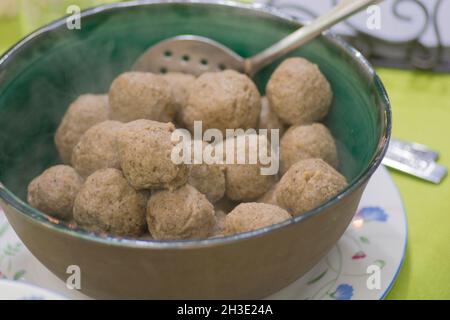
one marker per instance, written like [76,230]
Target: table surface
[421,113]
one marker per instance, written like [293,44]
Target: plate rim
[385,176]
[405,244]
[47,293]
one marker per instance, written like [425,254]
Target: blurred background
[411,34]
[19,17]
[411,52]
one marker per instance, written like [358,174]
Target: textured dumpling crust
[252,215]
[308,184]
[209,179]
[181,214]
[245,182]
[97,148]
[305,142]
[54,191]
[141,95]
[298,92]
[223,100]
[145,148]
[107,203]
[86,111]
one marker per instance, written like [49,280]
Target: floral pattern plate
[363,264]
[18,290]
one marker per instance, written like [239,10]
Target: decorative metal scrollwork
[409,52]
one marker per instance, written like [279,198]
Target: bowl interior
[40,79]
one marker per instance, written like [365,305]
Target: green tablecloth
[421,111]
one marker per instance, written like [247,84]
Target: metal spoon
[195,55]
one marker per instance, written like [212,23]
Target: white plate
[18,290]
[363,265]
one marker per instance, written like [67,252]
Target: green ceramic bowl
[43,73]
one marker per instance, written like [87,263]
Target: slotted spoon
[195,54]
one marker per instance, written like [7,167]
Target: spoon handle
[306,33]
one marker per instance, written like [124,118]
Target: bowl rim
[364,67]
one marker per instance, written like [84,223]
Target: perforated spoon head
[188,54]
[196,54]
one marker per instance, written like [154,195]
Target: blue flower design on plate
[343,292]
[372,214]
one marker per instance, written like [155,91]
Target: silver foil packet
[415,159]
